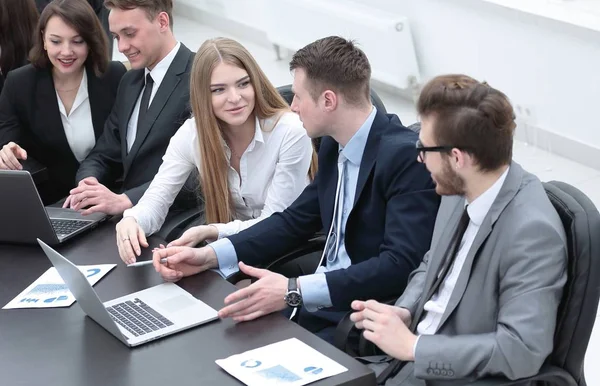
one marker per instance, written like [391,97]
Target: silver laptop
[137,318]
[25,219]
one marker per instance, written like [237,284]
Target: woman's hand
[195,235]
[130,237]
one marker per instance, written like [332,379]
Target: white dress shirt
[158,74]
[273,173]
[434,309]
[78,125]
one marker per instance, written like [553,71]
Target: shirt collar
[355,148]
[83,87]
[258,137]
[160,70]
[480,207]
[82,95]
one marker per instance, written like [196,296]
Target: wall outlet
[526,121]
[526,114]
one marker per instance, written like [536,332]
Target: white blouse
[78,125]
[273,171]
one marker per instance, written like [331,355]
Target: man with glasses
[484,301]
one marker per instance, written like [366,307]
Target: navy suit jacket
[389,228]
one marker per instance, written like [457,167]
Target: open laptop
[137,318]
[25,219]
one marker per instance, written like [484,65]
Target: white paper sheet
[289,362]
[50,291]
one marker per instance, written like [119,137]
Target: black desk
[63,347]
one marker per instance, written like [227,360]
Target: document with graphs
[290,362]
[50,291]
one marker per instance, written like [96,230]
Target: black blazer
[388,230]
[29,116]
[109,160]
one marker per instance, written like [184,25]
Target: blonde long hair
[213,159]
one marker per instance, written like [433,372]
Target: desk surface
[61,346]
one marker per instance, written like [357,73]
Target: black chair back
[577,311]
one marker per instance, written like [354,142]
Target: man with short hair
[371,195]
[152,103]
[484,301]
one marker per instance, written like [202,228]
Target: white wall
[549,67]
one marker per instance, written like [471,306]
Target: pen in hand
[147,262]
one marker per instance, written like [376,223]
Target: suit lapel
[370,154]
[508,191]
[48,111]
[435,260]
[166,88]
[133,92]
[328,176]
[97,95]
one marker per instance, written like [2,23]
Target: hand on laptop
[96,197]
[183,261]
[130,239]
[262,297]
[195,235]
[10,154]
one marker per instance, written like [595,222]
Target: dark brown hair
[18,19]
[81,17]
[152,7]
[471,116]
[337,64]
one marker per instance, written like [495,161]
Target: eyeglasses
[424,149]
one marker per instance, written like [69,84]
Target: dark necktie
[442,272]
[145,103]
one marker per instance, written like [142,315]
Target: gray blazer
[501,317]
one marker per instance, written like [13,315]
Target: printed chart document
[289,362]
[50,291]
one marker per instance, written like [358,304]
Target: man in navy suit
[376,201]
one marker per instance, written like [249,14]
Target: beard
[448,182]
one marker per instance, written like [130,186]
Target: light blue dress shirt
[315,291]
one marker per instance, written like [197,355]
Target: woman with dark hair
[53,110]
[99,9]
[18,19]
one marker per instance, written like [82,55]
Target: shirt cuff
[226,257]
[315,292]
[415,347]
[134,212]
[223,230]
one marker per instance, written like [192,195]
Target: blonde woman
[251,151]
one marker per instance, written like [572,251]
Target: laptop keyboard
[137,317]
[66,227]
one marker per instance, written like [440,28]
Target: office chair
[287,94]
[577,310]
[177,221]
